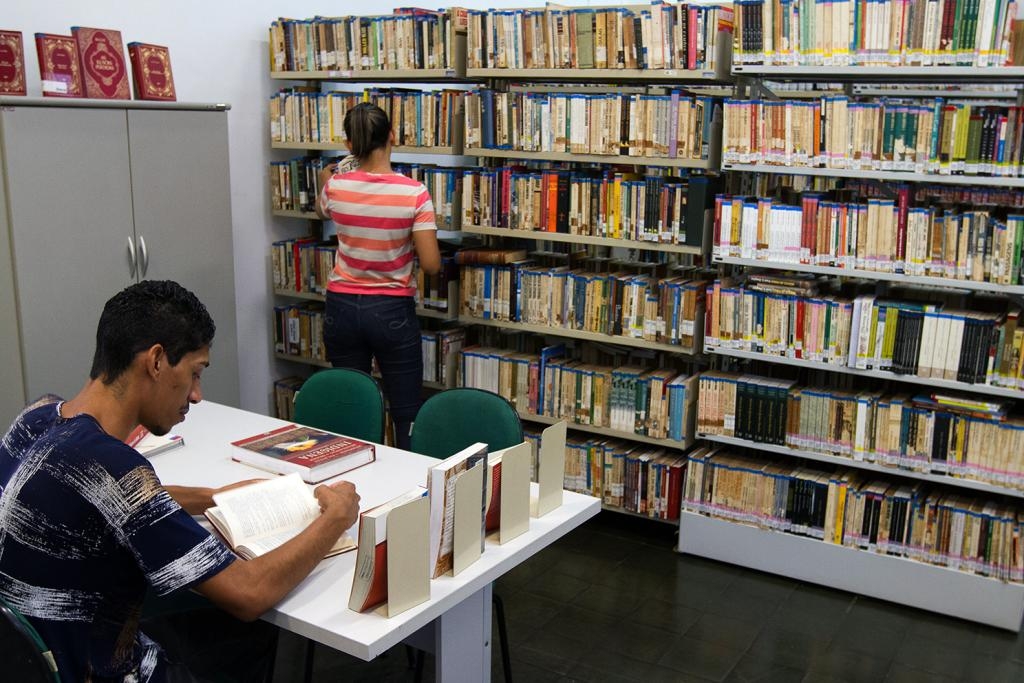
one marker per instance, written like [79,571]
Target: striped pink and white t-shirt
[375,215]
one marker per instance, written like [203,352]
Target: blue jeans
[359,327]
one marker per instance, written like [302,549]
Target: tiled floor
[614,602]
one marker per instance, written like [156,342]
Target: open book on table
[258,518]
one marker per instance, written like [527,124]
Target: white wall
[218,54]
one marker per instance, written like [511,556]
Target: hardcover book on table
[441,480]
[59,69]
[370,578]
[12,63]
[104,71]
[314,454]
[151,72]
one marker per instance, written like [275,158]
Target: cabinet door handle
[143,257]
[131,257]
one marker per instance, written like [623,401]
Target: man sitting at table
[86,525]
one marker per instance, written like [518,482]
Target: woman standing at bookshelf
[383,219]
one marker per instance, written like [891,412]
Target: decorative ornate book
[104,72]
[59,69]
[151,72]
[12,63]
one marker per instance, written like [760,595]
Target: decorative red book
[315,454]
[151,72]
[104,72]
[59,69]
[12,63]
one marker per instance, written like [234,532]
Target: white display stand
[888,577]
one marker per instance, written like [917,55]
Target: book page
[448,518]
[268,507]
[261,546]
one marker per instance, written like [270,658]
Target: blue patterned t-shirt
[85,527]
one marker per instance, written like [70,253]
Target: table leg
[462,640]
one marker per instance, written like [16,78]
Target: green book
[974,139]
[888,132]
[585,38]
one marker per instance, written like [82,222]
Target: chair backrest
[456,418]
[26,657]
[345,401]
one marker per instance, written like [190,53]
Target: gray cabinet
[95,196]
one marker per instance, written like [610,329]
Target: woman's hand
[325,174]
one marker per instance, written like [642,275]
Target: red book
[492,515]
[101,54]
[418,12]
[370,578]
[902,207]
[12,63]
[59,69]
[551,192]
[151,72]
[316,455]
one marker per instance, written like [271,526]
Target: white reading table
[455,623]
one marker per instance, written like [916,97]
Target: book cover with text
[59,69]
[12,63]
[104,71]
[151,72]
[313,453]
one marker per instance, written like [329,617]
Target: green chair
[26,656]
[345,401]
[452,420]
[342,400]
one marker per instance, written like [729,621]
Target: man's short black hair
[150,312]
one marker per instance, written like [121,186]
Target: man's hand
[338,502]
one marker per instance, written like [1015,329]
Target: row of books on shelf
[633,477]
[670,126]
[299,330]
[411,38]
[88,63]
[790,187]
[844,507]
[929,433]
[881,235]
[664,310]
[658,403]
[978,33]
[926,135]
[656,36]
[294,184]
[440,291]
[419,118]
[293,335]
[442,352]
[302,265]
[610,204]
[285,390]
[768,315]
